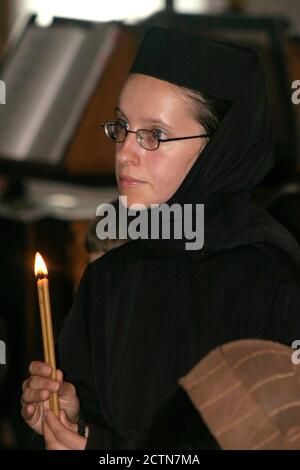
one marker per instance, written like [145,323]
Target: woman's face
[149,103]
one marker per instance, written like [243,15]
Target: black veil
[239,154]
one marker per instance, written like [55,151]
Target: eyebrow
[147,120]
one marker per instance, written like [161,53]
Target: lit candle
[41,274]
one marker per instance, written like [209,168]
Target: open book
[49,79]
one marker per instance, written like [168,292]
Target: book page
[33,80]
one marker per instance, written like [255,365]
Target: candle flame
[40,268]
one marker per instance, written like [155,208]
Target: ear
[291,439]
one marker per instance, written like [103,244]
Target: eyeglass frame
[159,140]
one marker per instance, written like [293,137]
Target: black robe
[148,311]
[144,318]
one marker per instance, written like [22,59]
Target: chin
[134,199]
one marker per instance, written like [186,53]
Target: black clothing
[180,426]
[147,312]
[286,209]
[144,318]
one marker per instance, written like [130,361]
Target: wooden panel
[10,12]
[4,22]
[91,152]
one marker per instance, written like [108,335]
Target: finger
[37,388]
[51,441]
[27,412]
[59,376]
[40,368]
[63,418]
[67,390]
[23,402]
[25,384]
[66,422]
[63,435]
[42,383]
[31,418]
[31,396]
[60,379]
[64,388]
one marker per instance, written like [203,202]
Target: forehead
[148,94]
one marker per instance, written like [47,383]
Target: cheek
[169,171]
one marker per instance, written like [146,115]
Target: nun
[192,128]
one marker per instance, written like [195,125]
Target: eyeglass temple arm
[183,138]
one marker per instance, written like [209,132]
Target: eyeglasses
[149,140]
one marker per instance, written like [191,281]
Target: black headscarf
[238,155]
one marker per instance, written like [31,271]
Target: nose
[129,151]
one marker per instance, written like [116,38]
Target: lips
[130,179]
[129,182]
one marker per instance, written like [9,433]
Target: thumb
[67,390]
[64,418]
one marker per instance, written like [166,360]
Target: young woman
[192,127]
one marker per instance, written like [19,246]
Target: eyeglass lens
[117,132]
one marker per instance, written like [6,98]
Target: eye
[123,123]
[159,133]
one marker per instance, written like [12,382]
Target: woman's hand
[61,434]
[36,392]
